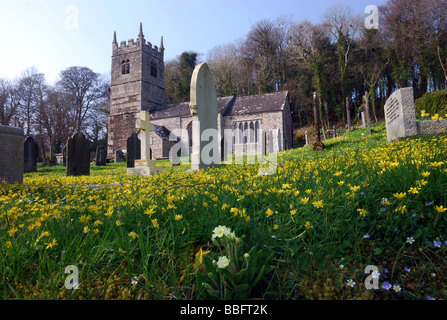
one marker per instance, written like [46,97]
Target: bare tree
[9,102]
[31,87]
[84,87]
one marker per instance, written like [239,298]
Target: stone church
[138,84]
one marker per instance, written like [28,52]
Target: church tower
[138,83]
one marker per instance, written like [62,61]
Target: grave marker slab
[119,156]
[400,115]
[11,155]
[78,155]
[30,155]
[133,150]
[101,156]
[203,106]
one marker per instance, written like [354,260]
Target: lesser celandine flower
[304,200]
[155,223]
[440,209]
[318,204]
[269,212]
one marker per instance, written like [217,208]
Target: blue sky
[53,35]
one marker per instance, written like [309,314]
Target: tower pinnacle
[114,37]
[140,35]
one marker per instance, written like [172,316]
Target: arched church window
[125,66]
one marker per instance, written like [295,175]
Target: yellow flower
[12,231]
[304,200]
[293,212]
[133,235]
[178,217]
[96,231]
[275,226]
[362,212]
[150,211]
[440,209]
[86,229]
[308,191]
[286,186]
[413,190]
[118,223]
[355,188]
[51,244]
[339,173]
[155,223]
[318,204]
[269,212]
[400,196]
[172,206]
[425,174]
[341,183]
[205,204]
[308,225]
[8,244]
[44,234]
[224,206]
[235,211]
[247,218]
[200,254]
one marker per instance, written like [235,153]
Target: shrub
[432,103]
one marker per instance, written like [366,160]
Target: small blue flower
[430,298]
[407,269]
[386,286]
[437,244]
[383,209]
[428,204]
[366,236]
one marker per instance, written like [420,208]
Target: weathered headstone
[30,153]
[203,106]
[348,113]
[119,156]
[133,150]
[78,155]
[363,120]
[145,166]
[306,136]
[400,115]
[11,155]
[101,156]
[64,156]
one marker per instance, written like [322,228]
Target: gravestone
[203,107]
[64,156]
[30,154]
[133,150]
[78,155]
[145,166]
[101,156]
[119,156]
[400,115]
[11,155]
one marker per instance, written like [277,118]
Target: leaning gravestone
[203,107]
[133,150]
[400,115]
[30,154]
[11,155]
[78,155]
[101,155]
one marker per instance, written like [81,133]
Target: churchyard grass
[323,217]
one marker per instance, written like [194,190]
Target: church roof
[228,106]
[261,103]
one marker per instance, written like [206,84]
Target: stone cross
[144,166]
[146,127]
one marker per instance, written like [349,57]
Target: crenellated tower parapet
[137,83]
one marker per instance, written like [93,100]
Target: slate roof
[228,106]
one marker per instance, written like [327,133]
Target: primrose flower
[220,231]
[223,262]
